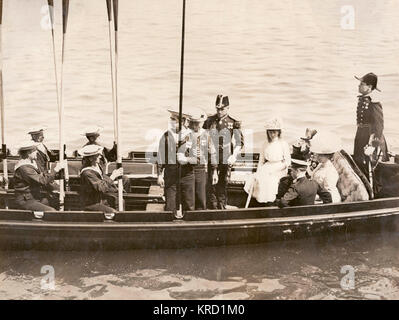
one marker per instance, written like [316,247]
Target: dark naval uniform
[44,157]
[96,190]
[303,192]
[167,161]
[109,155]
[201,154]
[226,134]
[370,120]
[29,182]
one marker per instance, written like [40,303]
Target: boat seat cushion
[350,185]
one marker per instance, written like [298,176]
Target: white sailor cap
[92,131]
[90,150]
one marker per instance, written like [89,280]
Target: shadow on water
[300,269]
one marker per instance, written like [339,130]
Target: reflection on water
[303,269]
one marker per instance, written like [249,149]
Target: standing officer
[198,158]
[370,124]
[226,133]
[166,161]
[44,156]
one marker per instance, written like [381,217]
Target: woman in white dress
[274,160]
[325,174]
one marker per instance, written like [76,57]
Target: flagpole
[65,8]
[179,213]
[3,140]
[116,111]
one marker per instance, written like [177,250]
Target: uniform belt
[363,125]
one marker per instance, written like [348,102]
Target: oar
[3,139]
[179,212]
[109,11]
[65,8]
[51,14]
[116,110]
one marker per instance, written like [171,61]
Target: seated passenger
[96,188]
[302,191]
[30,181]
[324,146]
[301,149]
[107,155]
[273,164]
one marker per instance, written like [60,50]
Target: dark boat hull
[133,230]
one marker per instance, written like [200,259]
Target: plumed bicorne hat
[222,101]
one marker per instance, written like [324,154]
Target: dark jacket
[370,120]
[166,156]
[94,185]
[222,132]
[303,192]
[43,159]
[29,181]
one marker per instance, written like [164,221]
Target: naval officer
[228,139]
[167,161]
[370,124]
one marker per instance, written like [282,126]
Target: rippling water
[305,269]
[277,56]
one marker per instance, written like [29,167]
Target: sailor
[196,154]
[44,155]
[108,155]
[30,182]
[226,133]
[97,190]
[166,158]
[303,190]
[370,124]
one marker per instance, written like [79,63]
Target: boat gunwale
[183,224]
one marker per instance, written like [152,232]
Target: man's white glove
[182,158]
[161,181]
[231,160]
[368,150]
[59,166]
[116,173]
[215,177]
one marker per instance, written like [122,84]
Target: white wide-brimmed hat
[325,143]
[90,150]
[274,123]
[197,115]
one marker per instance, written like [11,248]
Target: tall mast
[116,110]
[3,137]
[65,9]
[179,213]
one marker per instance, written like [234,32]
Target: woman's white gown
[274,160]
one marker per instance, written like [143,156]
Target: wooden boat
[145,225]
